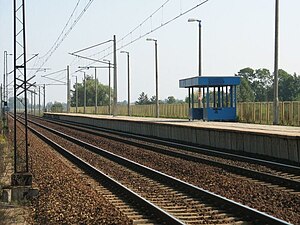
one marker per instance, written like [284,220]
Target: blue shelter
[219,97]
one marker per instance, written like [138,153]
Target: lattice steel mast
[20,90]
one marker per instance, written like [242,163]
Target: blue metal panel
[209,81]
[196,113]
[220,114]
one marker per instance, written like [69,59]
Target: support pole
[39,100]
[96,92]
[44,110]
[276,99]
[34,102]
[84,97]
[189,102]
[1,105]
[68,89]
[200,63]
[115,97]
[156,81]
[4,97]
[128,73]
[20,93]
[76,96]
[109,91]
[31,103]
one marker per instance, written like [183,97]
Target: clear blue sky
[236,34]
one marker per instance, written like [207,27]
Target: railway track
[187,204]
[269,173]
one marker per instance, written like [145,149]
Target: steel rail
[227,205]
[262,176]
[192,148]
[153,211]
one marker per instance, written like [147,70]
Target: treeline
[143,99]
[102,93]
[257,86]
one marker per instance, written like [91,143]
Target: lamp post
[44,107]
[34,101]
[76,95]
[199,58]
[68,89]
[128,73]
[39,100]
[84,94]
[115,110]
[156,76]
[276,100]
[96,92]
[109,85]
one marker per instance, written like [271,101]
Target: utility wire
[93,46]
[59,71]
[65,27]
[58,43]
[151,31]
[137,27]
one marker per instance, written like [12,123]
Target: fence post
[260,112]
[291,114]
[298,113]
[268,116]
[282,113]
[253,106]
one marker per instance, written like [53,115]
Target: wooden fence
[249,112]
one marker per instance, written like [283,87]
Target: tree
[288,86]
[102,93]
[255,83]
[196,94]
[56,107]
[152,100]
[244,91]
[171,100]
[262,84]
[143,99]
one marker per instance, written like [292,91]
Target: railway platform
[279,142]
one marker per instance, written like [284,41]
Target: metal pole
[115,78]
[15,87]
[276,100]
[31,103]
[6,88]
[109,91]
[96,92]
[39,100]
[1,95]
[3,89]
[34,102]
[84,97]
[4,77]
[156,80]
[76,96]
[44,110]
[200,49]
[200,63]
[128,72]
[25,87]
[68,89]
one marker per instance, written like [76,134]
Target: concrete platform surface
[243,127]
[280,142]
